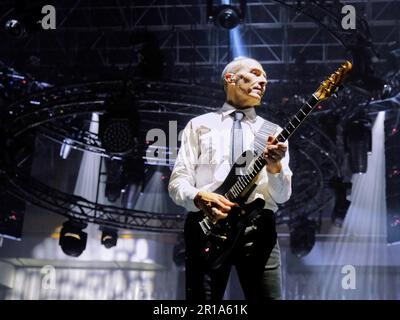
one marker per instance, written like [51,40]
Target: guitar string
[267,128]
[259,145]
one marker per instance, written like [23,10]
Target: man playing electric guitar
[211,144]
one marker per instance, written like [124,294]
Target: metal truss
[47,107]
[78,208]
[274,32]
[313,153]
[180,103]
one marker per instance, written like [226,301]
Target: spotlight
[302,235]
[66,147]
[358,142]
[15,28]
[341,202]
[72,238]
[116,136]
[118,127]
[386,91]
[23,19]
[226,16]
[109,237]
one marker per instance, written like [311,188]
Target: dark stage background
[86,102]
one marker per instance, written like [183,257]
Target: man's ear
[230,77]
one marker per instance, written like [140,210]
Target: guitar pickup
[205,226]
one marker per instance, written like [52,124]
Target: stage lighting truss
[48,112]
[313,156]
[52,111]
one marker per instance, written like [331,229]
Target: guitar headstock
[330,85]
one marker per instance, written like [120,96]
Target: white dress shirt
[203,160]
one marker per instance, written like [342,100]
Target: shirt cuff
[191,193]
[275,180]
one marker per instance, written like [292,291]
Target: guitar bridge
[207,227]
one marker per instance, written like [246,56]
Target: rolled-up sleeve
[182,187]
[278,185]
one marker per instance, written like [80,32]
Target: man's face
[249,85]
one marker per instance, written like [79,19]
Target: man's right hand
[213,205]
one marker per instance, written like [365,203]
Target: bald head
[244,81]
[233,67]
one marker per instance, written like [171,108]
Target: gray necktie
[237,136]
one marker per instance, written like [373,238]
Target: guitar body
[219,243]
[233,176]
[216,247]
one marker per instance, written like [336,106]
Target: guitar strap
[260,140]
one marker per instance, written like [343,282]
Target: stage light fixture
[119,126]
[23,18]
[66,147]
[109,237]
[72,238]
[226,16]
[302,235]
[341,203]
[15,28]
[358,142]
[117,135]
[386,91]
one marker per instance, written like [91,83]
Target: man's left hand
[273,154]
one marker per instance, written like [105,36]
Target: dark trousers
[256,258]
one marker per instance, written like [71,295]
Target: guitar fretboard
[259,162]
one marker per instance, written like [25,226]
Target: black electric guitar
[220,238]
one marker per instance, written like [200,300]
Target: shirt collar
[249,113]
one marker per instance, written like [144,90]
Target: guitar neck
[259,162]
[298,119]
